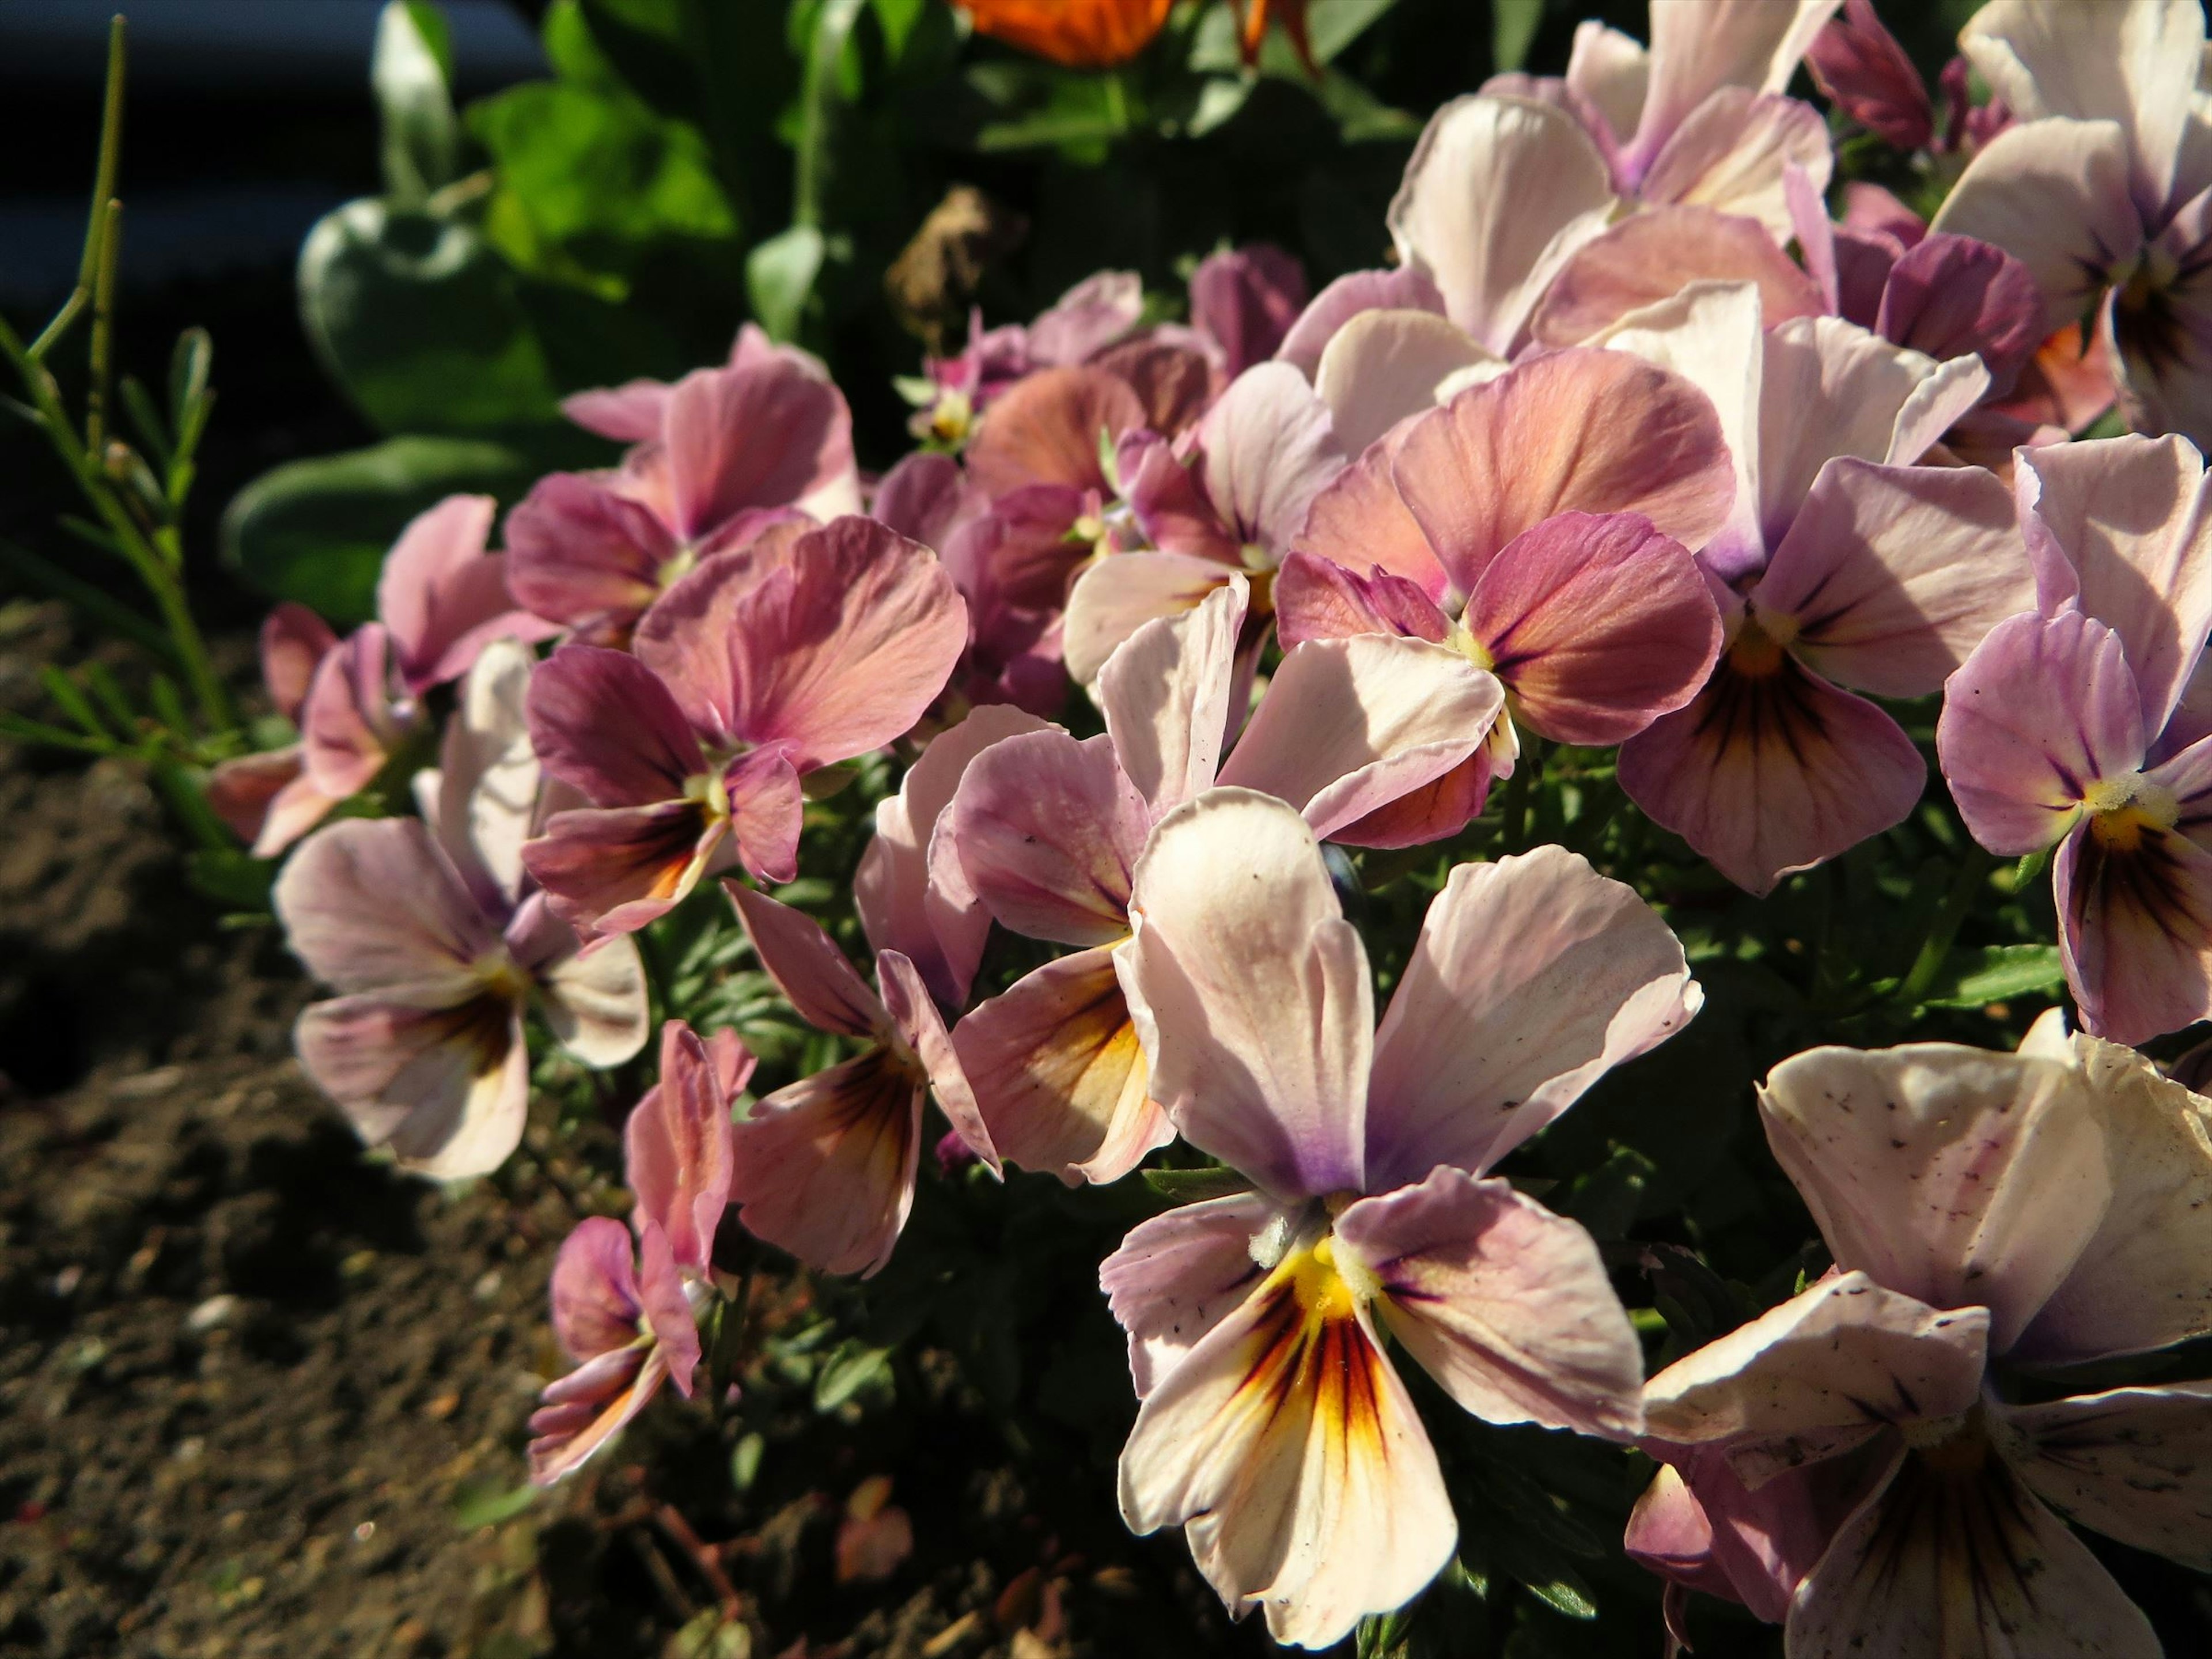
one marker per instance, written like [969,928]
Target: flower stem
[1973,874]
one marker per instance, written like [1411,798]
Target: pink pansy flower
[1843,569]
[1229,503]
[428,933]
[2102,185]
[1273,1429]
[2086,727]
[2044,1209]
[630,1322]
[1536,523]
[801,650]
[825,1166]
[440,599]
[1045,832]
[1243,302]
[1862,70]
[1098,312]
[721,453]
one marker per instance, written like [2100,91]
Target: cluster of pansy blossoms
[1647,441]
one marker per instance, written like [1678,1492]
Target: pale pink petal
[667,1308]
[2040,711]
[629,413]
[1532,978]
[1318,600]
[1349,726]
[585,1410]
[926,497]
[807,966]
[612,871]
[1047,429]
[2135,1464]
[2133,517]
[1165,694]
[1731,154]
[1286,1446]
[1267,449]
[1361,523]
[294,640]
[1058,1075]
[1047,830]
[1936,1564]
[677,1148]
[1506,1305]
[1825,1371]
[2134,928]
[1251,994]
[920,1028]
[844,650]
[605,723]
[583,556]
[1400,290]
[1087,319]
[446,1089]
[244,790]
[1174,382]
[1383,366]
[768,810]
[1827,388]
[768,434]
[1890,575]
[593,1290]
[1772,769]
[1696,49]
[1574,431]
[1699,1525]
[1652,256]
[825,1167]
[481,800]
[1118,594]
[594,1002]
[349,725]
[1177,1276]
[2139,1284]
[901,907]
[370,904]
[1244,300]
[1951,1175]
[2054,195]
[438,585]
[1499,194]
[684,636]
[297,806]
[1597,623]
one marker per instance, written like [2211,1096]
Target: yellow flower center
[1756,651]
[2122,810]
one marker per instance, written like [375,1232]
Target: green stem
[1973,874]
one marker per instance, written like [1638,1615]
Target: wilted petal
[1597,623]
[1951,1174]
[1965,1563]
[604,722]
[2135,1464]
[1505,1304]
[585,1409]
[1287,1445]
[1251,994]
[1400,290]
[1174,382]
[1118,594]
[1532,978]
[2134,927]
[372,905]
[1731,153]
[1499,193]
[1861,70]
[446,1088]
[825,1167]
[768,434]
[1046,830]
[1652,256]
[1165,694]
[1770,769]
[1576,431]
[1890,575]
[806,965]
[2053,194]
[1349,726]
[2040,711]
[1177,1276]
[613,871]
[1058,1073]
[582,555]
[1383,366]
[594,1000]
[1047,430]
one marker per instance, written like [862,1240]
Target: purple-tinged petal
[606,724]
[1348,727]
[1174,382]
[1597,623]
[677,1148]
[807,966]
[1047,430]
[594,1290]
[586,556]
[594,1002]
[1532,978]
[1090,317]
[1244,300]
[2135,1464]
[1251,994]
[243,790]
[294,640]
[1828,388]
[1952,294]
[1506,1305]
[685,636]
[925,498]
[2040,712]
[1404,288]
[446,1088]
[1860,68]
[1046,831]
[585,1410]
[372,905]
[768,809]
[347,724]
[1316,599]
[914,1020]
[770,434]
[1890,576]
[1166,696]
[1772,769]
[613,869]
[1178,1275]
[2134,928]
[825,1167]
[1267,449]
[1360,522]
[1170,501]
[1652,256]
[629,413]
[667,1308]
[1058,1073]
[441,596]
[1700,1526]
[1951,1175]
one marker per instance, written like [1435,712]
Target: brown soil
[260,1396]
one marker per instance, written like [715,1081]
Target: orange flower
[1081,33]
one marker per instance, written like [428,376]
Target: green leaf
[411,74]
[851,1368]
[486,1501]
[1565,1594]
[1995,973]
[780,277]
[418,318]
[1513,26]
[1191,1185]
[1606,1199]
[234,877]
[317,531]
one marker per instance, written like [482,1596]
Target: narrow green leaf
[1513,26]
[1973,978]
[780,277]
[852,1367]
[1190,1186]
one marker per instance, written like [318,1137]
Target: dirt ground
[260,1396]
